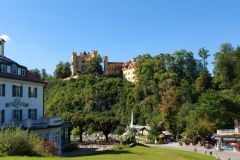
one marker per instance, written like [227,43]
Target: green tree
[185,65]
[156,130]
[203,54]
[36,73]
[199,126]
[217,109]
[105,123]
[169,102]
[45,76]
[94,66]
[226,69]
[181,118]
[203,82]
[63,70]
[80,121]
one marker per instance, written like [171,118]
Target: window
[14,69]
[3,68]
[55,137]
[2,116]
[32,92]
[32,114]
[2,90]
[23,72]
[17,91]
[17,114]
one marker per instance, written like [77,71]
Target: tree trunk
[106,136]
[81,136]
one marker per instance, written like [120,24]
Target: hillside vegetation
[174,92]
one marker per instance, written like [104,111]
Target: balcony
[41,123]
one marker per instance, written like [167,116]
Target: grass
[135,153]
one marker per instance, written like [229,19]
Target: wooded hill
[174,92]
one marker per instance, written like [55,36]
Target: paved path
[225,155]
[84,150]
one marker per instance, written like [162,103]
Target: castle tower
[94,54]
[105,60]
[74,63]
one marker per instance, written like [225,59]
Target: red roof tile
[30,77]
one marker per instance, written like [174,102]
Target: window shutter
[29,113]
[14,91]
[3,90]
[29,91]
[35,114]
[35,90]
[3,116]
[20,114]
[21,91]
[14,114]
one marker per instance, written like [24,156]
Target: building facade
[126,69]
[129,69]
[22,102]
[112,68]
[229,139]
[80,62]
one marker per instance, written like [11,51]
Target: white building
[129,69]
[229,139]
[143,130]
[22,103]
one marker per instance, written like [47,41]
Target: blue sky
[44,32]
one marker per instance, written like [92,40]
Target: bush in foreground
[19,142]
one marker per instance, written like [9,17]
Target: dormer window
[3,68]
[23,72]
[14,69]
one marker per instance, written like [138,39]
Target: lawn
[135,153]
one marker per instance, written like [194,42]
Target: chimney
[2,41]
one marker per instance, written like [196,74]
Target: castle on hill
[124,69]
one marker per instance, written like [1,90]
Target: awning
[229,139]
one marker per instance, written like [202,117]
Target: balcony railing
[44,122]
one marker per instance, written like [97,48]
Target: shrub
[154,133]
[128,141]
[180,142]
[19,142]
[187,141]
[49,147]
[75,132]
[195,141]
